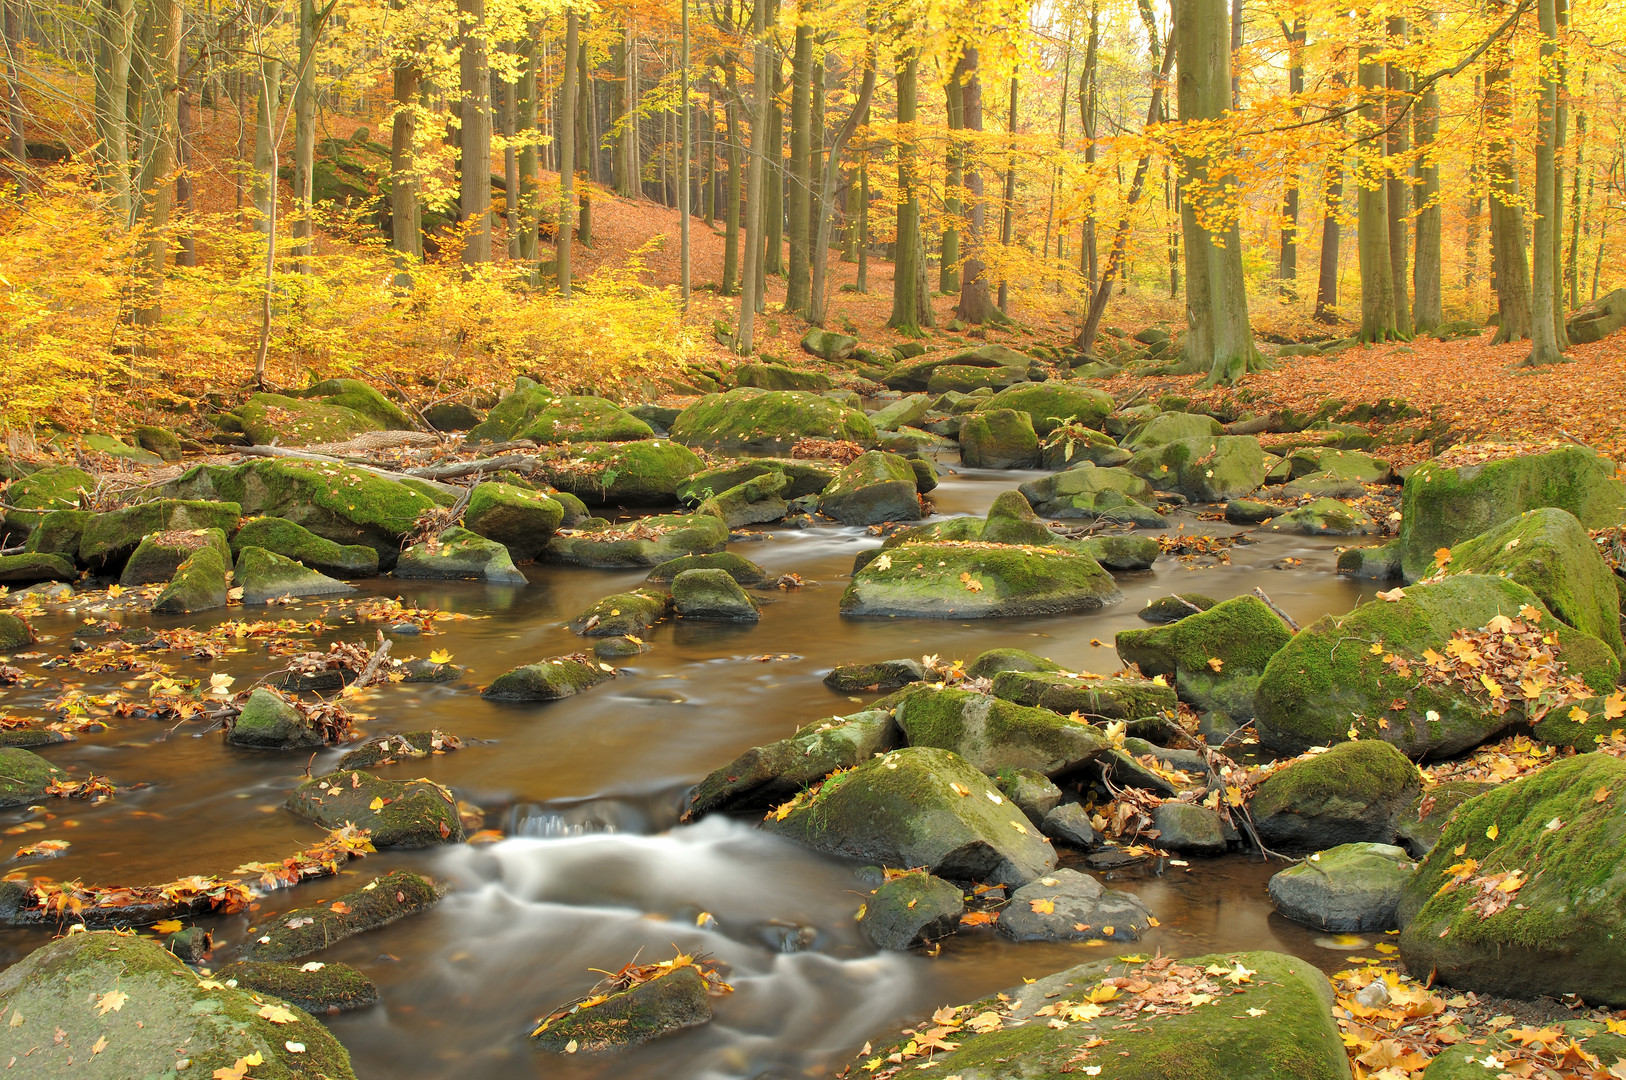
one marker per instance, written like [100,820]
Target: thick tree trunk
[1397,145]
[948,267]
[304,135]
[1378,317]
[798,278]
[164,69]
[976,304]
[115,28]
[684,167]
[1545,309]
[406,213]
[731,200]
[751,277]
[1508,266]
[1088,104]
[474,169]
[907,301]
[565,132]
[1428,302]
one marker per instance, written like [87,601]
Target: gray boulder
[1066,905]
[1346,889]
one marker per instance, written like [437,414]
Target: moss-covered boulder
[1204,470]
[1174,607]
[1381,563]
[1066,905]
[298,543]
[643,473]
[916,376]
[1274,1021]
[59,533]
[946,378]
[24,776]
[912,909]
[1422,823]
[780,377]
[999,439]
[1324,517]
[1010,520]
[392,749]
[56,487]
[584,419]
[1333,676]
[712,594]
[919,807]
[166,1022]
[881,676]
[303,931]
[901,413]
[1168,427]
[33,567]
[1556,926]
[548,680]
[1093,492]
[14,632]
[1352,793]
[506,419]
[758,500]
[1346,889]
[357,396]
[1034,793]
[450,416]
[316,987]
[1216,658]
[1076,446]
[632,1017]
[268,418]
[269,722]
[1442,506]
[1051,404]
[1466,1060]
[768,421]
[1549,552]
[160,554]
[199,584]
[623,613]
[765,776]
[521,520]
[874,487]
[739,568]
[457,553]
[110,539]
[342,503]
[396,813]
[1120,552]
[993,734]
[265,576]
[648,541]
[803,478]
[825,344]
[976,580]
[1090,696]
[990,662]
[1331,462]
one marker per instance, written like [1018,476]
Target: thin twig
[1280,614]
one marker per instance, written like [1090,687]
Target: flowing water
[595,869]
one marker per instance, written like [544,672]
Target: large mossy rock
[160,554]
[1093,492]
[1324,517]
[1165,428]
[24,776]
[768,421]
[512,413]
[58,532]
[410,814]
[643,473]
[739,568]
[913,909]
[874,487]
[268,418]
[1355,792]
[303,931]
[632,1017]
[1204,470]
[1604,317]
[1328,679]
[265,576]
[758,500]
[906,809]
[1346,889]
[583,419]
[521,520]
[56,487]
[14,633]
[199,584]
[357,396]
[803,478]
[1241,635]
[457,553]
[780,377]
[712,594]
[623,613]
[165,1015]
[110,539]
[548,680]
[767,775]
[994,734]
[1442,506]
[1051,404]
[825,344]
[341,503]
[1275,1023]
[33,567]
[977,580]
[324,988]
[269,722]
[1549,552]
[999,439]
[1090,696]
[298,543]
[904,412]
[648,541]
[1564,931]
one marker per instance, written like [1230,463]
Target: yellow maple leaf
[439,656]
[166,926]
[883,563]
[1376,649]
[112,1001]
[1614,706]
[1215,663]
[1043,907]
[377,803]
[1442,556]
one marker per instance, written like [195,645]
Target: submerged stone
[631,1017]
[548,680]
[302,931]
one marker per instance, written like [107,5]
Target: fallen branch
[1280,614]
[354,463]
[452,469]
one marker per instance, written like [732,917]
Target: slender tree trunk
[264,187]
[798,281]
[304,135]
[1378,317]
[585,147]
[565,130]
[1061,137]
[976,306]
[861,281]
[773,176]
[906,299]
[527,165]
[1561,117]
[1508,265]
[948,268]
[11,37]
[1089,114]
[474,176]
[1326,288]
[751,283]
[709,191]
[1426,279]
[687,108]
[164,68]
[820,257]
[731,202]
[406,214]
[1287,267]
[508,127]
[116,25]
[816,205]
[186,249]
[1545,310]
[1008,223]
[1236,47]
[1571,276]
[1397,148]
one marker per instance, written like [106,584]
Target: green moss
[161,554]
[1049,404]
[748,418]
[380,902]
[58,487]
[584,419]
[411,814]
[993,733]
[1169,427]
[625,474]
[632,1017]
[14,632]
[1242,633]
[109,539]
[331,988]
[925,580]
[32,567]
[999,439]
[357,396]
[521,520]
[1167,609]
[766,775]
[993,661]
[548,680]
[303,546]
[659,539]
[1011,520]
[267,418]
[59,532]
[24,776]
[1365,772]
[199,584]
[1097,699]
[712,594]
[623,613]
[739,568]
[265,576]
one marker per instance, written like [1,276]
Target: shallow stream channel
[593,868]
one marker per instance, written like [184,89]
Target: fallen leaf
[1043,907]
[112,1001]
[277,1014]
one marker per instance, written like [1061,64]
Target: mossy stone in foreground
[1353,793]
[303,931]
[24,776]
[999,439]
[199,585]
[906,809]
[329,988]
[913,909]
[265,576]
[166,1016]
[739,568]
[994,734]
[632,1017]
[1328,679]
[1293,1038]
[298,543]
[766,775]
[623,613]
[768,420]
[1565,930]
[758,500]
[991,662]
[410,814]
[932,580]
[33,567]
[269,722]
[549,680]
[14,633]
[520,520]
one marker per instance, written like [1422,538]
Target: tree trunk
[820,255]
[508,127]
[976,305]
[115,27]
[798,280]
[164,68]
[1397,145]
[528,163]
[751,277]
[1378,321]
[565,132]
[1508,266]
[948,267]
[304,135]
[16,147]
[1571,276]
[474,169]
[1061,138]
[815,151]
[1088,104]
[1545,310]
[584,144]
[186,250]
[861,281]
[907,301]
[264,187]
[1326,286]
[773,177]
[406,213]
[1429,310]
[1287,267]
[687,108]
[1008,224]
[731,201]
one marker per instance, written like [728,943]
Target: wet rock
[648,542]
[1420,826]
[623,613]
[1323,486]
[56,487]
[1122,552]
[1324,517]
[1444,506]
[315,987]
[30,568]
[1312,688]
[826,345]
[1192,830]
[712,594]
[901,413]
[1206,470]
[302,931]
[1251,512]
[57,533]
[1353,793]
[999,439]
[1051,404]
[265,576]
[739,568]
[199,584]
[25,777]
[802,478]
[1330,462]
[160,555]
[885,675]
[1033,792]
[1094,698]
[990,663]
[521,521]
[764,776]
[458,553]
[905,809]
[1561,932]
[993,734]
[1123,769]
[298,543]
[549,680]
[165,1017]
[403,747]
[273,418]
[1168,609]
[1069,823]
[1080,446]
[110,539]
[408,814]
[1241,635]
[934,580]
[1380,563]
[191,945]
[573,420]
[769,421]
[754,502]
[1092,493]
[620,647]
[269,722]
[1066,905]
[913,909]
[452,416]
[1346,889]
[631,1017]
[875,487]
